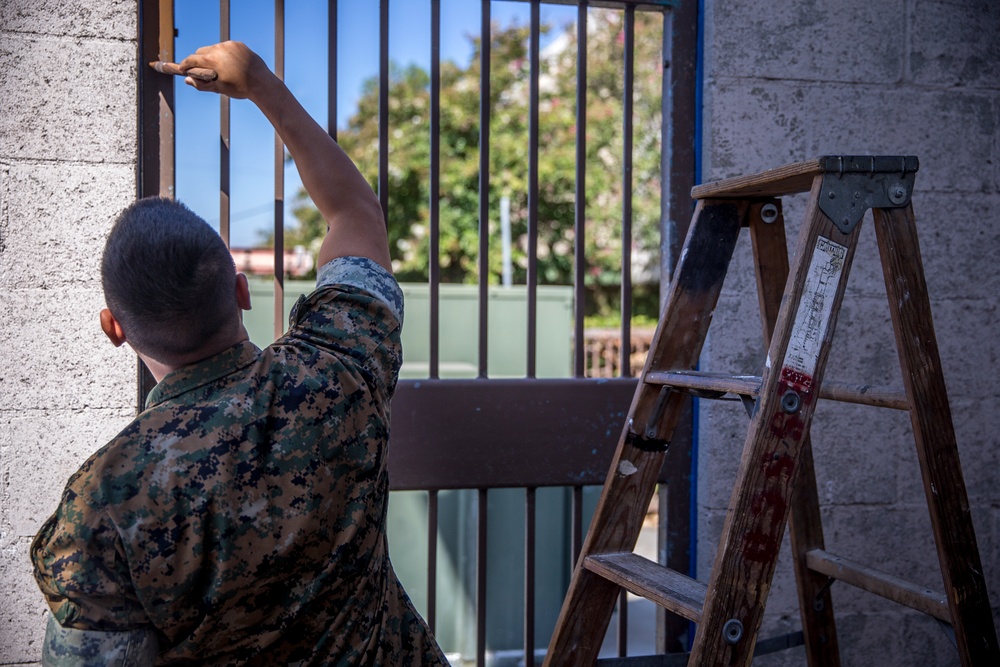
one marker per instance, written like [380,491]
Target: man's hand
[241,73]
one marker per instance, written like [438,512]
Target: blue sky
[252,145]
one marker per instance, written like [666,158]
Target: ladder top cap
[798,176]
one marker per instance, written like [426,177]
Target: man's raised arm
[342,195]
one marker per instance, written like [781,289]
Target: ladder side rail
[770,251]
[934,435]
[758,511]
[617,520]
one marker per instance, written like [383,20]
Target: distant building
[260,261]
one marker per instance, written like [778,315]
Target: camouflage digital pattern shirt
[242,515]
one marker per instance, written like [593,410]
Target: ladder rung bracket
[880,583]
[669,589]
[749,385]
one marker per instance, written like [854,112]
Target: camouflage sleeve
[356,313]
[80,565]
[366,275]
[69,647]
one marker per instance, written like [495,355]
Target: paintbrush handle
[202,73]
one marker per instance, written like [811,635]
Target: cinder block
[893,638]
[787,121]
[41,450]
[856,451]
[80,105]
[955,45]
[55,220]
[970,349]
[53,353]
[735,344]
[957,239]
[721,435]
[863,350]
[843,41]
[23,614]
[109,19]
[710,522]
[977,423]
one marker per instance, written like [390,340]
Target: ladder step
[671,590]
[714,385]
[784,180]
[880,583]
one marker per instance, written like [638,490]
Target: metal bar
[481,562]
[331,68]
[680,36]
[432,531]
[529,576]
[279,180]
[680,41]
[168,146]
[155,164]
[576,519]
[580,206]
[434,261]
[627,109]
[535,64]
[224,136]
[484,183]
[462,434]
[383,108]
[622,643]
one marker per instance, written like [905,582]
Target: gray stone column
[67,166]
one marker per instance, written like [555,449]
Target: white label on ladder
[813,316]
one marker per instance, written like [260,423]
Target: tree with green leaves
[409,160]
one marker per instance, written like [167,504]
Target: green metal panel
[459,327]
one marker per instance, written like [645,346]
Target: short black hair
[168,279]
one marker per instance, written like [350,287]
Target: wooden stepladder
[776,482]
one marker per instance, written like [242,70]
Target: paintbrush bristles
[201,73]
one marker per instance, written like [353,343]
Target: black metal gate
[484,433]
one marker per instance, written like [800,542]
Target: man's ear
[242,291]
[112,329]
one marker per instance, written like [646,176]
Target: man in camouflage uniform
[240,519]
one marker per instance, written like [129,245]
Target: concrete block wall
[67,166]
[789,80]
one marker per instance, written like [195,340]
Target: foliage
[409,161]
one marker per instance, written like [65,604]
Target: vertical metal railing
[535,68]
[224,136]
[628,104]
[482,528]
[155,118]
[279,180]
[486,41]
[383,107]
[434,261]
[580,201]
[529,575]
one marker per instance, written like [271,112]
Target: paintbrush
[200,73]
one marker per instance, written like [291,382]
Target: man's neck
[160,369]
